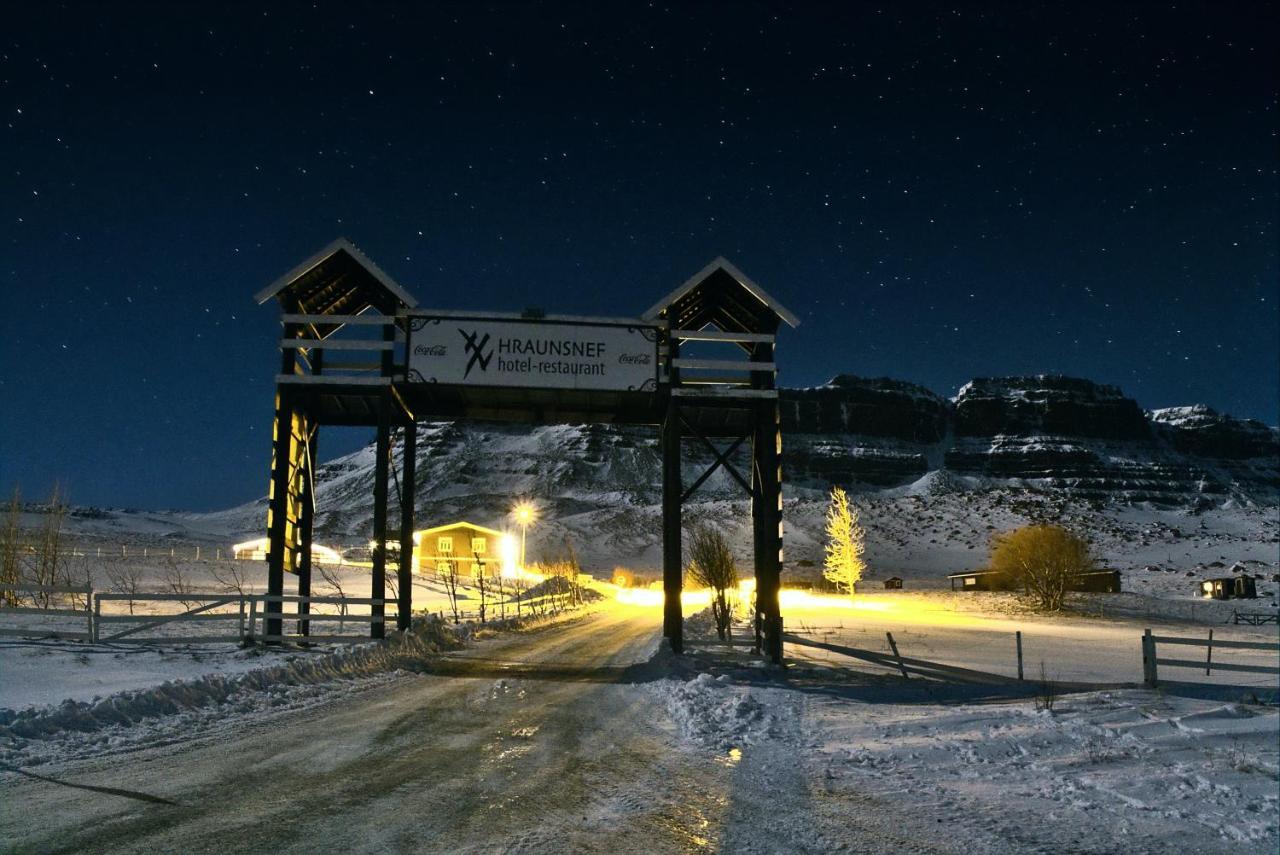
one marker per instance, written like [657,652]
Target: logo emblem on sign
[476,350]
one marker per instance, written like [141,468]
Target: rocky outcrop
[1046,405]
[1204,432]
[1055,433]
[865,407]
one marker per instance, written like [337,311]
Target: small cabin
[981,580]
[1229,588]
[464,548]
[1096,581]
[893,583]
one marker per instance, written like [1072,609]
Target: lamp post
[525,514]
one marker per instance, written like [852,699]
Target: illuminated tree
[1043,559]
[846,542]
[711,565]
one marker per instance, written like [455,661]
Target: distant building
[256,550]
[893,582]
[981,580]
[1229,588]
[1096,581]
[464,548]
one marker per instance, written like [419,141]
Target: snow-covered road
[576,738]
[552,754]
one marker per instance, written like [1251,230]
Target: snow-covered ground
[588,736]
[1125,769]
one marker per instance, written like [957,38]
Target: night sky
[939,192]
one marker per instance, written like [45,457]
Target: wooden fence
[270,606]
[907,665]
[1151,660]
[199,609]
[31,631]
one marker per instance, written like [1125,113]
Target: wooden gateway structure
[357,350]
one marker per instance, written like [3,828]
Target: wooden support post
[96,620]
[1208,655]
[766,511]
[672,558]
[404,607]
[306,522]
[378,591]
[1018,634]
[1149,675]
[278,502]
[893,645]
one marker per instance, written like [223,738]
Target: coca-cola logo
[430,350]
[634,359]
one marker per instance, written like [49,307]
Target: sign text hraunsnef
[531,354]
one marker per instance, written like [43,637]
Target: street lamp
[525,513]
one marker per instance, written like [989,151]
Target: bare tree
[1043,559]
[77,572]
[177,581]
[391,591]
[845,543]
[125,578]
[449,575]
[44,569]
[479,579]
[333,579]
[231,576]
[711,565]
[10,551]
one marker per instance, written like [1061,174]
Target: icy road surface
[573,738]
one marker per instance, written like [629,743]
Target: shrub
[1042,560]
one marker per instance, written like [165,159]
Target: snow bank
[220,693]
[711,712]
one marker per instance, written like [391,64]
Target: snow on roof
[459,524]
[722,263]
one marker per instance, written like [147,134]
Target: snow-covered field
[587,735]
[1123,769]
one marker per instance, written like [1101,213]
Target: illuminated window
[444,567]
[478,545]
[445,544]
[969,580]
[475,569]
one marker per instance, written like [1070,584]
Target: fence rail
[85,613]
[1151,660]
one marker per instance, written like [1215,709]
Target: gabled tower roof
[337,280]
[722,295]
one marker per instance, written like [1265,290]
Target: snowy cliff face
[1089,438]
[853,430]
[1047,406]
[1066,439]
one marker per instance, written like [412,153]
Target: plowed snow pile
[176,707]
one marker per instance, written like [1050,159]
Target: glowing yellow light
[257,549]
[650,597]
[525,513]
[507,552]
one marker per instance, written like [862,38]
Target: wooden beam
[381,466]
[325,344]
[330,380]
[404,579]
[712,392]
[725,365]
[354,320]
[716,335]
[672,553]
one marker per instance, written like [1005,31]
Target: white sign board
[479,351]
